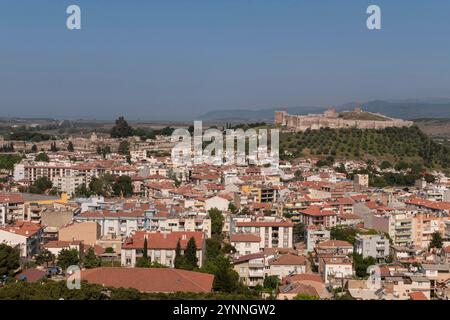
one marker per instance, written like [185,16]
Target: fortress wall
[314,122]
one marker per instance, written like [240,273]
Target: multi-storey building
[26,236]
[375,246]
[161,246]
[273,232]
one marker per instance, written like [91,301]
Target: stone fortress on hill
[357,118]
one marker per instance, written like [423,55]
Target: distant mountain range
[404,109]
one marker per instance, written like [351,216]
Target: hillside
[391,144]
[434,127]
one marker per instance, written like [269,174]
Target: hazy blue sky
[170,59]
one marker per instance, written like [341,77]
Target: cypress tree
[145,255]
[178,261]
[190,255]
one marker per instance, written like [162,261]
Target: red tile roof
[31,275]
[417,296]
[244,237]
[61,244]
[317,211]
[299,288]
[303,277]
[286,223]
[150,279]
[248,257]
[11,198]
[110,214]
[163,240]
[23,228]
[288,259]
[435,205]
[334,244]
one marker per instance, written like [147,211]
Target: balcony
[256,265]
[256,274]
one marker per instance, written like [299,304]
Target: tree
[109,250]
[42,157]
[34,148]
[9,259]
[68,257]
[101,186]
[178,261]
[298,232]
[90,260]
[436,241]
[53,147]
[82,191]
[46,257]
[217,221]
[271,282]
[7,161]
[385,165]
[103,150]
[344,233]
[123,186]
[145,254]
[70,147]
[124,148]
[41,185]
[225,278]
[121,129]
[361,264]
[232,207]
[304,296]
[143,262]
[190,255]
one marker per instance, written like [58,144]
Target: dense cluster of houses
[281,223]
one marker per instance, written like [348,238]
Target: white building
[375,246]
[218,203]
[273,232]
[245,243]
[161,247]
[68,184]
[25,235]
[287,264]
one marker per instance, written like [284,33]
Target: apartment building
[251,268]
[318,216]
[375,246]
[161,246]
[27,236]
[399,226]
[120,223]
[287,264]
[335,270]
[12,205]
[245,243]
[425,225]
[87,231]
[199,222]
[315,234]
[274,232]
[68,184]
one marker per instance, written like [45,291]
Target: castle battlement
[331,119]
